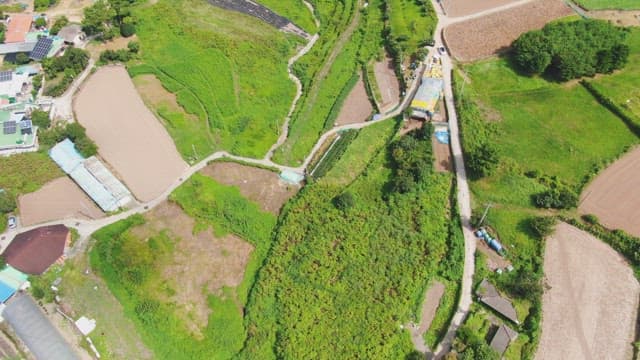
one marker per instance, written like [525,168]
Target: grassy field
[609,4]
[346,279]
[294,10]
[327,70]
[132,269]
[622,87]
[539,129]
[27,172]
[209,58]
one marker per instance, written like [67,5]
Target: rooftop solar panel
[9,127]
[25,124]
[42,48]
[6,76]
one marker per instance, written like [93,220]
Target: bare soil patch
[128,136]
[442,156]
[259,185]
[615,194]
[410,124]
[494,260]
[456,8]
[618,17]
[72,9]
[590,305]
[492,34]
[57,200]
[387,83]
[202,263]
[356,108]
[154,94]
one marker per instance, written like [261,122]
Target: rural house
[502,338]
[72,34]
[33,251]
[18,26]
[489,295]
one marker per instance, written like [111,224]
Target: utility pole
[484,215]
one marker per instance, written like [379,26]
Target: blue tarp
[442,137]
[291,177]
[6,291]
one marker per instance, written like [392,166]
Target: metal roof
[35,330]
[66,156]
[17,47]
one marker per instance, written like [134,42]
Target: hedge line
[631,123]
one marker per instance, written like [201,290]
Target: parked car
[442,50]
[12,222]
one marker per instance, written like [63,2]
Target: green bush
[58,24]
[75,132]
[7,202]
[590,219]
[127,30]
[543,226]
[412,158]
[41,119]
[344,201]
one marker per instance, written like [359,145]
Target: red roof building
[33,251]
[17,28]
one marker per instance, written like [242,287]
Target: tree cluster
[108,17]
[571,50]
[58,24]
[41,5]
[75,132]
[70,65]
[412,159]
[121,55]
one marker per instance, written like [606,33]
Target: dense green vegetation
[74,131]
[564,148]
[229,71]
[42,5]
[60,71]
[131,267]
[328,71]
[333,154]
[410,27]
[346,278]
[569,50]
[108,18]
[294,10]
[609,4]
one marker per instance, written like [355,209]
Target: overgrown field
[328,70]
[294,10]
[227,68]
[547,139]
[622,86]
[133,268]
[27,172]
[609,4]
[350,264]
[411,25]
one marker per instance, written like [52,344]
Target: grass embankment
[541,130]
[294,10]
[327,72]
[622,86]
[133,267]
[346,279]
[228,69]
[609,4]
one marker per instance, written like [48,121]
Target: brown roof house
[502,338]
[18,26]
[33,251]
[489,295]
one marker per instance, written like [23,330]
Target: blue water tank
[495,245]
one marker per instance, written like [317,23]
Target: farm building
[11,280]
[489,295]
[72,34]
[426,99]
[18,133]
[18,26]
[92,176]
[33,251]
[502,338]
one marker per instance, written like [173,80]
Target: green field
[339,283]
[622,86]
[537,127]
[227,68]
[609,4]
[27,172]
[131,267]
[325,75]
[294,10]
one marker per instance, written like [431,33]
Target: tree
[532,52]
[127,30]
[97,17]
[543,226]
[41,119]
[482,160]
[41,22]
[22,58]
[58,24]
[133,47]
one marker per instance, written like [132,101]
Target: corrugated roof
[106,177]
[35,250]
[502,338]
[36,331]
[94,188]
[66,156]
[19,26]
[6,291]
[428,94]
[490,296]
[12,277]
[70,32]
[17,47]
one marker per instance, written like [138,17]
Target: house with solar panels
[18,132]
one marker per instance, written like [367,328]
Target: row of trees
[571,50]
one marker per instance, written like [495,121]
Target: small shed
[33,251]
[502,338]
[489,295]
[72,34]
